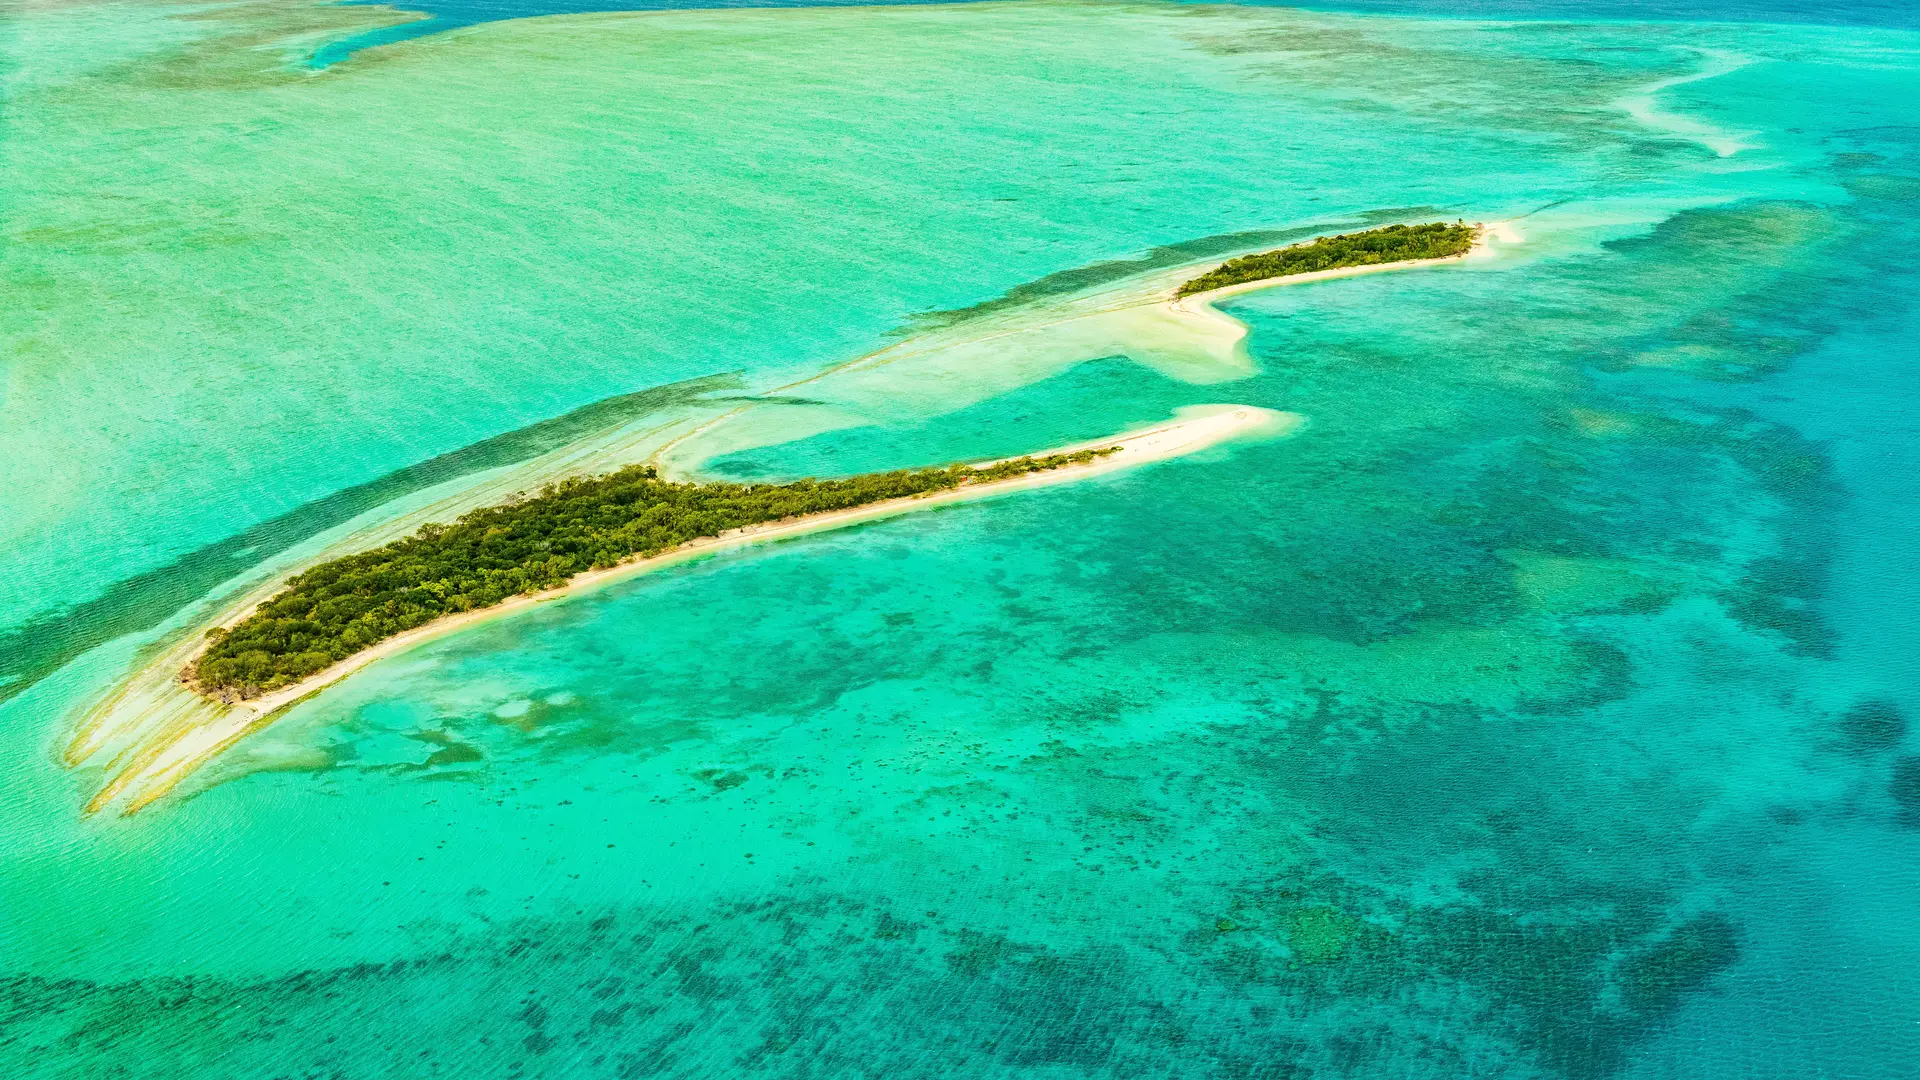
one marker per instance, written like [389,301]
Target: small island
[526,546]
[274,647]
[1391,244]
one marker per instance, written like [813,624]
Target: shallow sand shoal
[949,367]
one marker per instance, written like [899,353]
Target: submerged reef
[1905,788]
[1870,727]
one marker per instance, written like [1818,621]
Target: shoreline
[205,727]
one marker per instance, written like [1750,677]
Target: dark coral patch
[1872,727]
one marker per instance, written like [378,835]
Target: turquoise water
[1537,711]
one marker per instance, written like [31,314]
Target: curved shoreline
[193,732]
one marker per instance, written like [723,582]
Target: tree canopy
[527,545]
[1394,243]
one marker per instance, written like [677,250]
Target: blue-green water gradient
[1541,709]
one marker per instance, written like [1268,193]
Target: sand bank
[1643,105]
[945,368]
[185,730]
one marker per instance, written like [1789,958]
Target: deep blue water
[1842,13]
[451,14]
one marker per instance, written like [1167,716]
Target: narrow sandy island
[1483,232]
[187,729]
[1195,301]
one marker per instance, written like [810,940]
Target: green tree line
[1394,243]
[528,545]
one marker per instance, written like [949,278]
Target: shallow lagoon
[1496,724]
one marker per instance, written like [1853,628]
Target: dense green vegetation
[1394,243]
[527,545]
